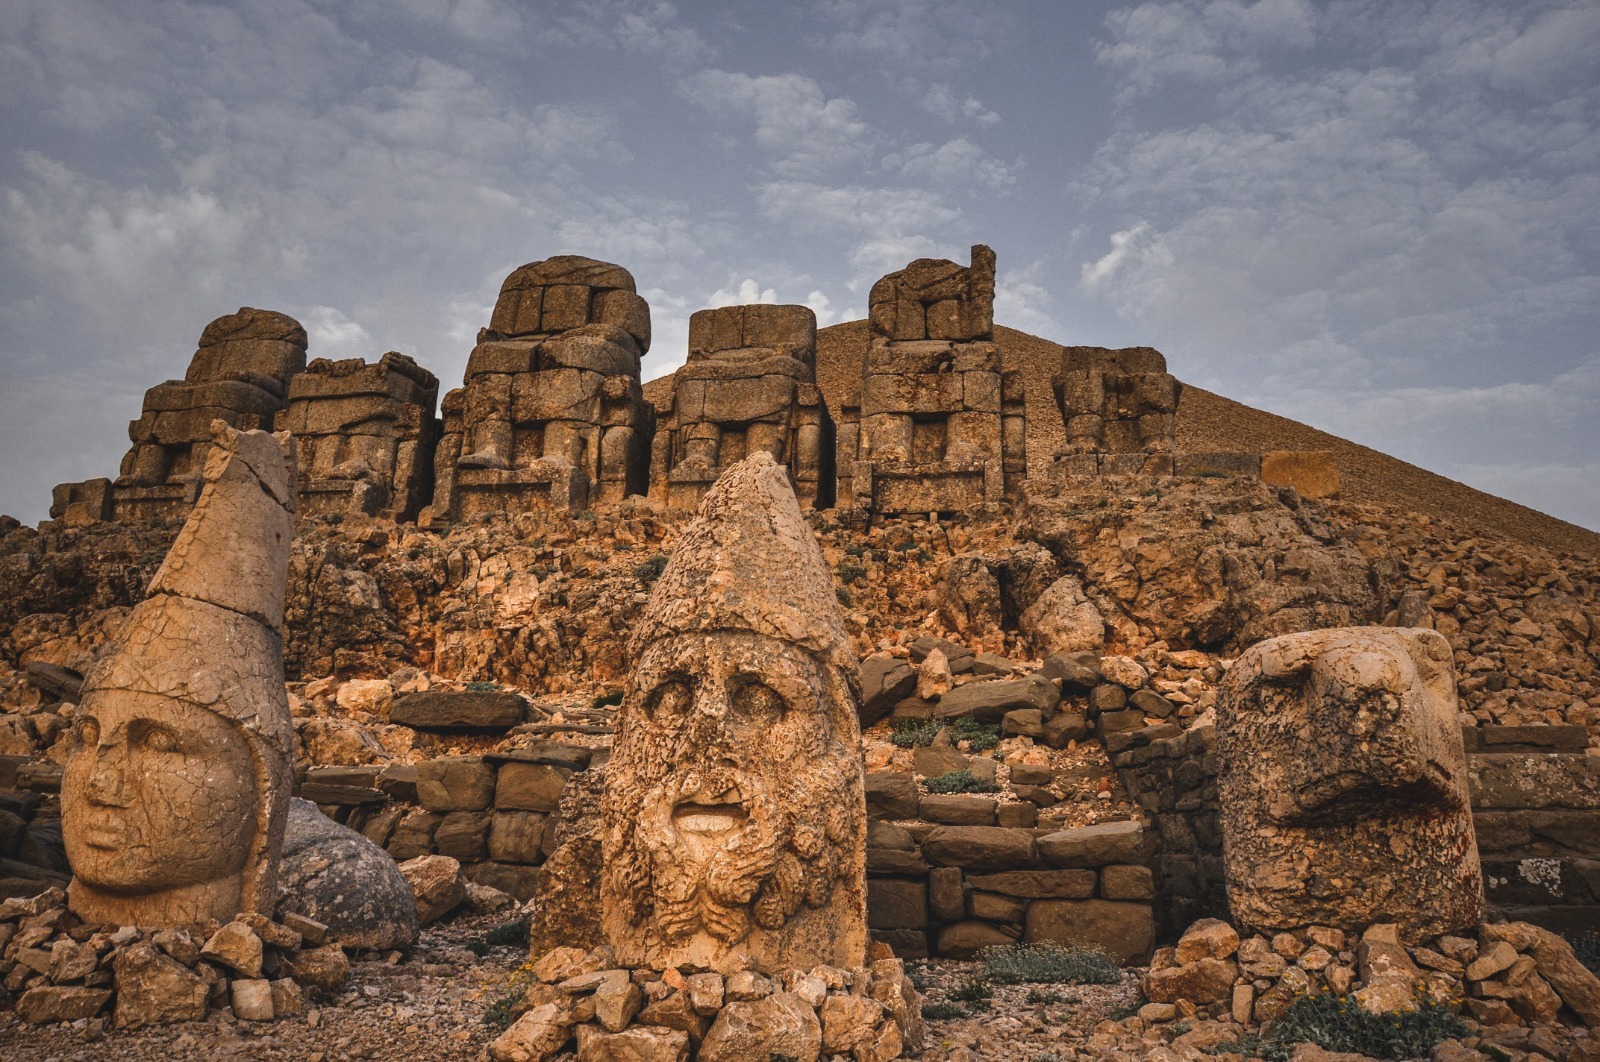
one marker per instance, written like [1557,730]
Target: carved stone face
[1343,784]
[733,800]
[157,795]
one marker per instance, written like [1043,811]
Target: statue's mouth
[709,819]
[103,832]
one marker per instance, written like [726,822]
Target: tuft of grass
[943,1011]
[961,781]
[849,571]
[978,736]
[975,992]
[483,687]
[1051,964]
[1337,1023]
[649,570]
[1036,996]
[914,733]
[843,595]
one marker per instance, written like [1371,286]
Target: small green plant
[607,700]
[960,782]
[1338,1023]
[483,687]
[498,1013]
[583,514]
[775,1057]
[1048,1056]
[1052,964]
[917,970]
[974,992]
[1127,1010]
[843,595]
[649,570]
[943,1011]
[978,736]
[914,733]
[849,571]
[510,935]
[1175,1030]
[1038,996]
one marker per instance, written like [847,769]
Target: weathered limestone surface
[551,414]
[364,435]
[749,385]
[734,814]
[240,375]
[1343,785]
[941,423]
[1120,408]
[176,790]
[334,875]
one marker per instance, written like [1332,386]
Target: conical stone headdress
[749,562]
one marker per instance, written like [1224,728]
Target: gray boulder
[333,874]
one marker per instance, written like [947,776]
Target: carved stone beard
[698,867]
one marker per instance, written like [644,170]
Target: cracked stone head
[734,804]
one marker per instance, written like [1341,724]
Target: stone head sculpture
[176,791]
[1343,784]
[734,810]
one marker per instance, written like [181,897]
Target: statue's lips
[709,818]
[103,832]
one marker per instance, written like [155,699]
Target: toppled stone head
[1344,784]
[177,786]
[734,807]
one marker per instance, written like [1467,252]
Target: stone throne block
[1120,410]
[551,414]
[941,421]
[239,375]
[364,435]
[749,385]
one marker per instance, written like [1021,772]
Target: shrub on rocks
[1046,963]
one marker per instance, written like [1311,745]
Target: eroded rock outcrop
[1343,785]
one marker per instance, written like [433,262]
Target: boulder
[460,710]
[334,876]
[1063,620]
[642,1043]
[45,1004]
[988,702]
[885,682]
[1203,981]
[436,885]
[152,989]
[891,795]
[781,1025]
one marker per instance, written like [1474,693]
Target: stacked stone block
[551,414]
[364,435]
[945,879]
[940,426]
[749,384]
[239,375]
[1120,410]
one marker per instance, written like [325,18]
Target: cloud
[945,102]
[798,129]
[747,293]
[955,162]
[1201,40]
[333,335]
[1134,244]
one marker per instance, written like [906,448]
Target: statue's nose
[108,780]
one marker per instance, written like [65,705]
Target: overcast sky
[1379,218]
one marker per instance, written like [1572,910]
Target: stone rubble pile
[57,968]
[868,1014]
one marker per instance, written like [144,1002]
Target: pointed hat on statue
[750,562]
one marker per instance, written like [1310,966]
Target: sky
[1380,219]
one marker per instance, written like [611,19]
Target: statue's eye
[670,698]
[154,737]
[86,732]
[754,699]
